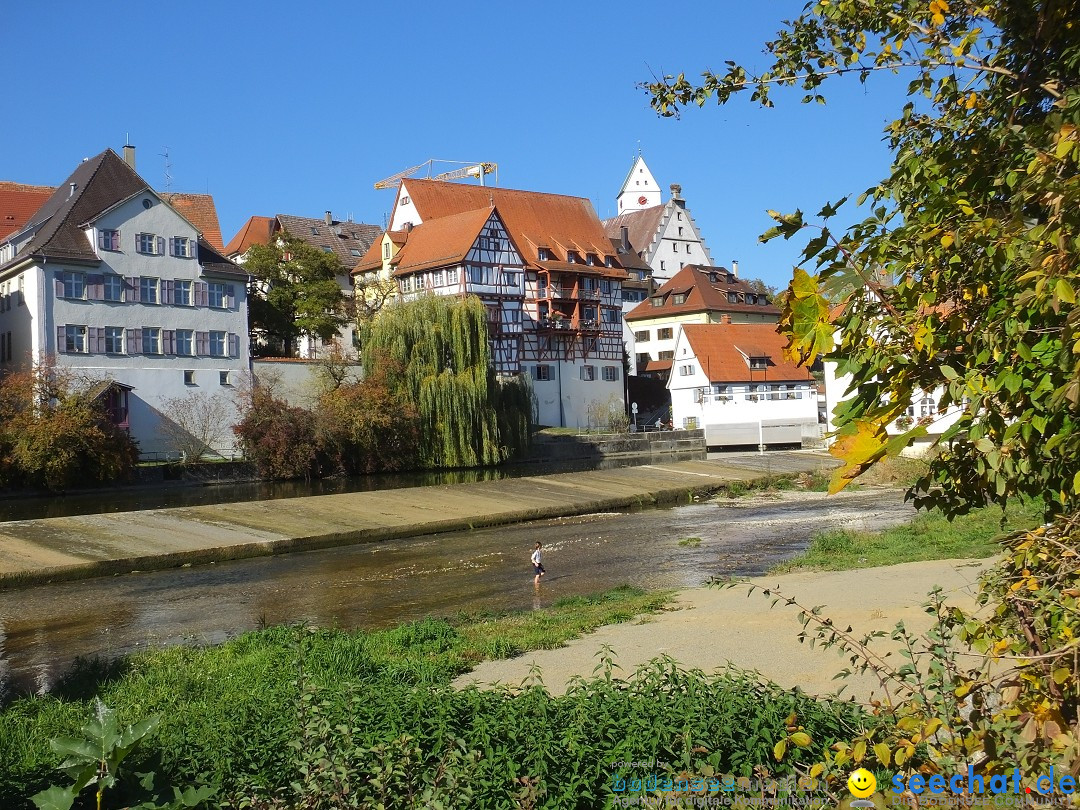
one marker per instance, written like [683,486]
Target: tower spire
[639,189]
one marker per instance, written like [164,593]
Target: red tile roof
[256,231]
[372,260]
[533,219]
[199,210]
[703,294]
[724,349]
[440,242]
[19,202]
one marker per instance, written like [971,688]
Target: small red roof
[707,289]
[440,242]
[256,231]
[19,202]
[724,351]
[199,210]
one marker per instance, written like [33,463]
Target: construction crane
[476,169]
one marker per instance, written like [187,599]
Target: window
[642,335]
[928,407]
[386,250]
[406,284]
[642,360]
[437,278]
[543,254]
[314,231]
[476,274]
[680,230]
[22,291]
[489,243]
[572,257]
[510,278]
[217,344]
[223,378]
[216,293]
[664,334]
[114,340]
[113,287]
[687,370]
[610,315]
[679,215]
[151,340]
[74,285]
[541,372]
[185,345]
[109,239]
[148,243]
[732,298]
[661,264]
[588,373]
[689,422]
[611,373]
[452,276]
[181,247]
[658,300]
[679,298]
[75,339]
[674,247]
[182,293]
[355,252]
[404,200]
[148,290]
[759,363]
[666,356]
[421,279]
[327,249]
[189,377]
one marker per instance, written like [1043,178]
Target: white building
[112,282]
[665,235]
[734,381]
[544,267]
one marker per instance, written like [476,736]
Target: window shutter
[202,297]
[115,240]
[134,341]
[101,240]
[132,288]
[230,302]
[172,246]
[161,246]
[95,287]
[101,339]
[168,341]
[202,343]
[61,340]
[59,276]
[166,291]
[234,345]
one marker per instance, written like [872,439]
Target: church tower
[639,190]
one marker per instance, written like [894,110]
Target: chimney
[329,218]
[725,319]
[625,239]
[129,155]
[407,227]
[735,267]
[676,192]
[71,191]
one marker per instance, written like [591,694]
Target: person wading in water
[538,567]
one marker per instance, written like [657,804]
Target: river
[44,628]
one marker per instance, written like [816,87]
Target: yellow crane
[477,169]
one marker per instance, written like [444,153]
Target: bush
[280,440]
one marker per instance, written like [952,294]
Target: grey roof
[99,183]
[341,237]
[213,262]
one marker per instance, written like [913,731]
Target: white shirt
[536,557]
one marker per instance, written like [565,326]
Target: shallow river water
[43,629]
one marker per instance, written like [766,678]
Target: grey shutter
[202,343]
[234,345]
[101,340]
[161,246]
[168,341]
[166,291]
[202,297]
[95,287]
[132,288]
[130,342]
[172,245]
[59,276]
[231,301]
[61,340]
[101,241]
[116,240]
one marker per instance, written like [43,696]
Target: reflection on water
[42,629]
[128,500]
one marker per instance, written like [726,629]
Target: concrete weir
[54,549]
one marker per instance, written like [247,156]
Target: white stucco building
[734,381]
[115,284]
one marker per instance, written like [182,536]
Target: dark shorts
[538,570]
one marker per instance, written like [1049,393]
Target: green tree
[975,229]
[295,292]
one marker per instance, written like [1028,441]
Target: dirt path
[712,627]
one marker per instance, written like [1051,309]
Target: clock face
[642,200]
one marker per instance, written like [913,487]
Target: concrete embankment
[36,551]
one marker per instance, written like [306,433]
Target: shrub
[279,439]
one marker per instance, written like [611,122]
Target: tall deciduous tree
[295,293]
[976,222]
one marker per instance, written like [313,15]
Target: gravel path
[712,627]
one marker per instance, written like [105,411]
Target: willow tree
[439,346]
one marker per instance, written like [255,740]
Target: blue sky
[300,107]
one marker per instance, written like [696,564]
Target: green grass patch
[928,537]
[692,542]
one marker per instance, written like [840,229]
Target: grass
[928,537]
[692,542]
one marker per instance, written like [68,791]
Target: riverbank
[39,551]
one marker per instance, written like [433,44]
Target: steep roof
[256,231]
[642,226]
[348,240]
[534,219]
[724,351]
[440,242]
[200,211]
[96,184]
[19,202]
[703,294]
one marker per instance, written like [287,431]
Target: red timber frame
[563,332]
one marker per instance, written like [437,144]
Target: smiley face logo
[862,783]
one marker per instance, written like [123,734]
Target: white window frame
[542,372]
[75,339]
[115,284]
[588,373]
[218,338]
[216,291]
[114,340]
[151,337]
[181,293]
[147,284]
[185,342]
[610,373]
[74,285]
[146,243]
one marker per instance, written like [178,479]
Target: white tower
[639,190]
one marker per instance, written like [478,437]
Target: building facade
[542,265]
[117,286]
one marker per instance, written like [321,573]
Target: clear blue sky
[300,107]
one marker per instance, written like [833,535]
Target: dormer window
[543,254]
[572,257]
[386,250]
[759,363]
[658,301]
[590,259]
[609,261]
[678,298]
[732,298]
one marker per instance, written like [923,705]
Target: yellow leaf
[858,450]
[881,750]
[900,757]
[947,240]
[815,771]
[779,750]
[858,753]
[801,739]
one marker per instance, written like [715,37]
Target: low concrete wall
[295,381]
[546,447]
